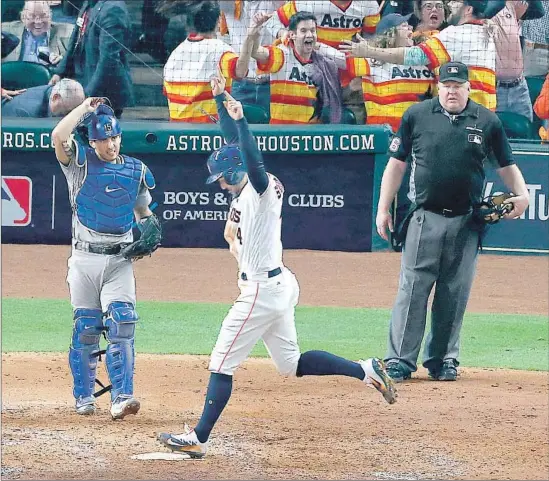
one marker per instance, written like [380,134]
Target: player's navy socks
[217,397]
[322,363]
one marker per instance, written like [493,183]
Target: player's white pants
[96,280]
[263,310]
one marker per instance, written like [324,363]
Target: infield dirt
[491,424]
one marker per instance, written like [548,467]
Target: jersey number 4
[239,235]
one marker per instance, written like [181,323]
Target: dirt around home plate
[491,424]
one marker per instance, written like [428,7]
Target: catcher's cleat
[85,406]
[186,443]
[377,376]
[124,405]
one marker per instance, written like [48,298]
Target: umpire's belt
[270,274]
[108,250]
[448,212]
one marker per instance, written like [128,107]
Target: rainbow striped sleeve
[227,64]
[274,63]
[357,67]
[369,24]
[436,52]
[285,12]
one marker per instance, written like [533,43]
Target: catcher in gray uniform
[106,191]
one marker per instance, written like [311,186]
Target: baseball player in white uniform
[106,190]
[265,308]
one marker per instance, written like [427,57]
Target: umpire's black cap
[455,71]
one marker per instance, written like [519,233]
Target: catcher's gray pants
[437,250]
[96,280]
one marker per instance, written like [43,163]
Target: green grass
[488,340]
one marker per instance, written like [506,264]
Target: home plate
[162,456]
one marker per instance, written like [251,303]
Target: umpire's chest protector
[106,199]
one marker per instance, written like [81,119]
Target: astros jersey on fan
[187,76]
[470,44]
[389,89]
[292,90]
[334,23]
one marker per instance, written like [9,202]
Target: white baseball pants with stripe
[265,309]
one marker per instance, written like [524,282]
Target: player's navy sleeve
[253,160]
[227,124]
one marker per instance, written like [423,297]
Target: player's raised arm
[63,130]
[227,124]
[251,156]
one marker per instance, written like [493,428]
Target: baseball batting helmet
[103,124]
[226,162]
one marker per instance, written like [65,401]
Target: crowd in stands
[297,61]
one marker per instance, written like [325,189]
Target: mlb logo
[16,201]
[453,70]
[475,139]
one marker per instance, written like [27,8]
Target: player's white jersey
[257,222]
[76,176]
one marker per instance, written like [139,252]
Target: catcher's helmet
[226,162]
[103,124]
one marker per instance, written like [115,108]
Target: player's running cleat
[124,405]
[85,406]
[377,376]
[186,443]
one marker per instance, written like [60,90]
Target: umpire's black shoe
[446,372]
[396,371]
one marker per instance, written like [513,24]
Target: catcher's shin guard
[120,323]
[88,325]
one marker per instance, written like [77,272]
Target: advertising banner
[327,201]
[530,233]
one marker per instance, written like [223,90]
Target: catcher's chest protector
[106,200]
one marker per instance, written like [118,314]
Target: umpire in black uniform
[447,139]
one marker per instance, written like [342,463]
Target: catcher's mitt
[148,242]
[494,207]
